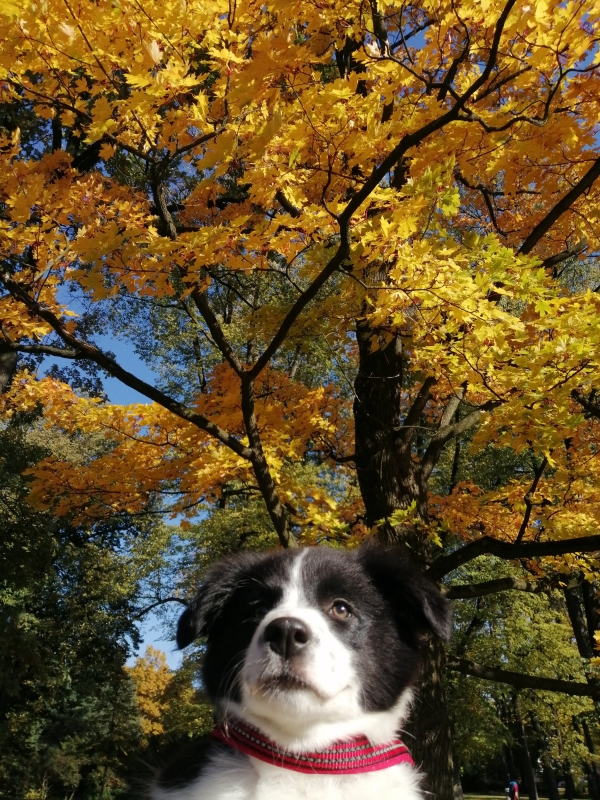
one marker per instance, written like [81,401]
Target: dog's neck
[350,757]
[303,735]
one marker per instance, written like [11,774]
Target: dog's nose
[286,636]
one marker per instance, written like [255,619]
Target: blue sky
[152,629]
[154,633]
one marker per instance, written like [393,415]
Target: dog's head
[313,636]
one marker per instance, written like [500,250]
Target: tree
[172,710]
[305,216]
[68,717]
[510,729]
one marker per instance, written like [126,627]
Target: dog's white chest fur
[236,777]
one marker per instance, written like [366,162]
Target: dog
[310,659]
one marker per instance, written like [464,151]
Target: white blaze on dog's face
[298,664]
[314,644]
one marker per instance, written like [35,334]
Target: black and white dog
[310,657]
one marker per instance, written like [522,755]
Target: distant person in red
[513,790]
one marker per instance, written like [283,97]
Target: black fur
[226,611]
[416,602]
[189,763]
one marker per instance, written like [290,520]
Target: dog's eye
[340,610]
[261,610]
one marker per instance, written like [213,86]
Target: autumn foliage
[356,241]
[413,176]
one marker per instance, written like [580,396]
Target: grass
[498,796]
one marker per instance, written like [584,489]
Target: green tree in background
[68,715]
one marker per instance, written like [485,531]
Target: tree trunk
[8,366]
[389,480]
[580,629]
[103,783]
[387,476]
[429,725]
[527,772]
[509,761]
[583,630]
[568,775]
[590,604]
[594,771]
[550,778]
[457,790]
[569,782]
[548,769]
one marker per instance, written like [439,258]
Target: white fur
[236,777]
[305,719]
[300,735]
[331,700]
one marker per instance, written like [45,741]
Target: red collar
[340,758]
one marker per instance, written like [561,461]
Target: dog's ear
[209,601]
[416,602]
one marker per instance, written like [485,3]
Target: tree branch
[379,29]
[206,137]
[160,202]
[278,515]
[414,139]
[522,681]
[453,404]
[198,297]
[158,603]
[107,363]
[468,591]
[46,350]
[588,405]
[447,432]
[409,141]
[286,205]
[529,499]
[552,261]
[135,151]
[341,254]
[542,228]
[508,551]
[405,433]
[428,22]
[216,331]
[255,452]
[487,196]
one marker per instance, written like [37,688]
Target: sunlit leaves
[203,148]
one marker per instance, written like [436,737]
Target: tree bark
[8,366]
[429,724]
[389,480]
[594,772]
[387,476]
[590,604]
[457,789]
[569,782]
[550,777]
[566,766]
[548,769]
[585,647]
[511,771]
[583,629]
